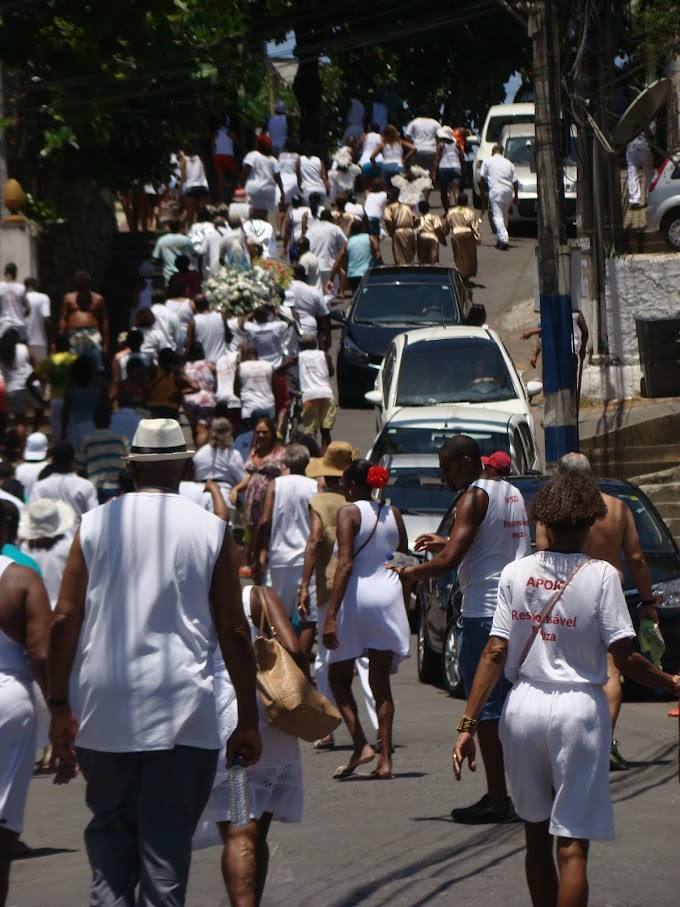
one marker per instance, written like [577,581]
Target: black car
[386,303]
[439,600]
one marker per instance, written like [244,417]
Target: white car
[663,202]
[519,143]
[499,116]
[432,367]
[424,429]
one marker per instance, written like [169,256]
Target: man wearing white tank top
[491,530]
[151,584]
[283,533]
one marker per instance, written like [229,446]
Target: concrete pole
[559,375]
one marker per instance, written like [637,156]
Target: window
[409,440]
[417,491]
[407,303]
[497,124]
[528,441]
[520,455]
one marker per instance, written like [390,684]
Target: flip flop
[324,744]
[378,777]
[343,771]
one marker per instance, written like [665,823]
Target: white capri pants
[557,737]
[500,201]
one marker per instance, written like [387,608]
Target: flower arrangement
[377,477]
[279,274]
[343,171]
[239,291]
[411,184]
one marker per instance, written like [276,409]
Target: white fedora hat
[159,439]
[46,518]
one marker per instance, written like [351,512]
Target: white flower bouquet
[239,291]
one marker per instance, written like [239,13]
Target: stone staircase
[644,445]
[663,490]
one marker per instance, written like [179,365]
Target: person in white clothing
[253,384]
[39,325]
[315,369]
[225,397]
[312,174]
[268,335]
[261,175]
[224,156]
[277,127]
[491,530]
[498,183]
[309,306]
[326,241]
[14,308]
[163,568]
[368,141]
[63,483]
[193,185]
[167,323]
[226,246]
[35,460]
[423,133]
[208,329]
[45,529]
[260,237]
[310,263]
[218,460]
[558,614]
[639,157]
[282,535]
[293,225]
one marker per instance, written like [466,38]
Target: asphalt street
[394,844]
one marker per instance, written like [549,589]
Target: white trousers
[499,205]
[636,158]
[321,673]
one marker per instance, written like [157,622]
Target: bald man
[610,538]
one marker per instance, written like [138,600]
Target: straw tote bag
[291,702]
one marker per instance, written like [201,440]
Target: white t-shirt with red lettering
[589,616]
[502,536]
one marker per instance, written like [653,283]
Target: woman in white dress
[260,176]
[366,611]
[193,185]
[275,789]
[312,174]
[288,162]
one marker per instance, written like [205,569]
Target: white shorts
[17,749]
[557,738]
[285,581]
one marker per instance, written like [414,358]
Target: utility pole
[559,375]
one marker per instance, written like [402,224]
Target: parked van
[499,116]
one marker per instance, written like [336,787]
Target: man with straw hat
[320,563]
[150,578]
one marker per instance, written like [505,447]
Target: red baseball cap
[499,460]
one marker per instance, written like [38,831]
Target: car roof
[443,415]
[449,332]
[407,274]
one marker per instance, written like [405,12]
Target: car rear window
[417,491]
[423,303]
[498,123]
[407,440]
[463,370]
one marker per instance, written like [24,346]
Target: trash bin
[659,343]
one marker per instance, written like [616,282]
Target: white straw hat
[46,518]
[159,439]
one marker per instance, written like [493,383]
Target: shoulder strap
[264,614]
[375,526]
[546,611]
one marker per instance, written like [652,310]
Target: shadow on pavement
[32,852]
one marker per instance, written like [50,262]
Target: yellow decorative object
[13,196]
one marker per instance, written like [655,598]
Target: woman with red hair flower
[260,176]
[366,611]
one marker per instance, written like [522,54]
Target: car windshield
[464,370]
[407,302]
[412,440]
[520,150]
[497,124]
[417,490]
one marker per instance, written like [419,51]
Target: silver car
[663,202]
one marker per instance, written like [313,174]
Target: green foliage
[45,214]
[656,25]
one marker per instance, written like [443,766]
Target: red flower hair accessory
[377,477]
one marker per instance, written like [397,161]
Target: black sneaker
[616,761]
[486,812]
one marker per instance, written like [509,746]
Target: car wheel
[429,665]
[453,683]
[670,227]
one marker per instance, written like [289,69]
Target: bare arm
[280,623]
[233,636]
[219,505]
[340,262]
[486,677]
[377,151]
[38,618]
[410,150]
[636,666]
[470,512]
[312,552]
[348,524]
[637,563]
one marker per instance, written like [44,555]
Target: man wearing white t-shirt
[39,325]
[498,182]
[326,241]
[315,369]
[14,308]
[167,322]
[309,307]
[491,531]
[423,133]
[310,263]
[208,329]
[150,583]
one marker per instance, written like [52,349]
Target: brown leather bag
[291,702]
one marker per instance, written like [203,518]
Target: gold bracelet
[467,725]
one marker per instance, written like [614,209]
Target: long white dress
[275,782]
[373,615]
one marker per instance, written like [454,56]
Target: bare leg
[613,690]
[280,217]
[572,860]
[239,863]
[492,757]
[444,192]
[455,191]
[379,667]
[307,634]
[8,840]
[540,864]
[262,854]
[340,675]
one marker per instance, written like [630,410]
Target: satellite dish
[641,112]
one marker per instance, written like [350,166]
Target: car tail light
[657,175]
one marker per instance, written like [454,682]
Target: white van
[499,116]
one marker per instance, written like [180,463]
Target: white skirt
[17,749]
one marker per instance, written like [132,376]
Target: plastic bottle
[397,559]
[239,801]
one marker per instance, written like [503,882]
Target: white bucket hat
[446,133]
[36,447]
[159,439]
[46,518]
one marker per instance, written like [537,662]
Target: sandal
[326,743]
